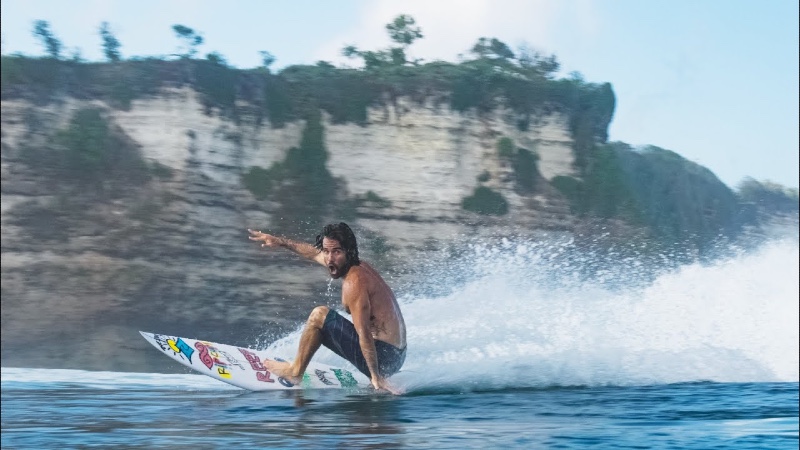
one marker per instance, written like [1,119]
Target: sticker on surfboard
[243,367]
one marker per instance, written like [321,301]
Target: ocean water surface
[523,350]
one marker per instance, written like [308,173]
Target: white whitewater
[520,321]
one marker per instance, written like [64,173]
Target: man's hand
[267,240]
[382,384]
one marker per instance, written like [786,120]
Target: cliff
[84,266]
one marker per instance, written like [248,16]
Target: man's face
[335,257]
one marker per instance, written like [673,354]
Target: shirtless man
[375,342]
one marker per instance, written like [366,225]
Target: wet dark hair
[342,233]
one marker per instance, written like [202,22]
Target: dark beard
[340,273]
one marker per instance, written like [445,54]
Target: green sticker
[345,378]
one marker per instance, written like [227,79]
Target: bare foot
[282,369]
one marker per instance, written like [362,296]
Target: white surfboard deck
[243,367]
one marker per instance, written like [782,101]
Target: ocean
[522,347]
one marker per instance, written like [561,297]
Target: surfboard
[243,367]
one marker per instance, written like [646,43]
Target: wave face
[525,314]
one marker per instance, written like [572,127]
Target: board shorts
[339,335]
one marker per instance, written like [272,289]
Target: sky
[715,81]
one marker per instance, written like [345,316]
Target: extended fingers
[256,235]
[261,237]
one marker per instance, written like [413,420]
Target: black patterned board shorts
[339,335]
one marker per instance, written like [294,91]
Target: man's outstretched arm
[303,249]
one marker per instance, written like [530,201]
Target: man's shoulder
[362,270]
[355,275]
[362,273]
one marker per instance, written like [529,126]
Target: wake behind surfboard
[242,367]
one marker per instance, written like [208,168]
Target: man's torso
[386,320]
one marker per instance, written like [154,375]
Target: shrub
[526,169]
[486,201]
[92,151]
[258,181]
[505,147]
[568,186]
[84,142]
[218,84]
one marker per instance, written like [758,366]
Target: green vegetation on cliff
[762,199]
[769,196]
[682,202]
[301,183]
[492,76]
[486,202]
[90,151]
[679,201]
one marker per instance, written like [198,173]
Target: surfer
[375,341]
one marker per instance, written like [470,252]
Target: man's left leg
[309,344]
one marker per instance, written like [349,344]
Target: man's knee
[317,316]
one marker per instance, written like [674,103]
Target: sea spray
[525,314]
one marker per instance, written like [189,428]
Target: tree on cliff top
[529,63]
[403,30]
[111,44]
[41,30]
[191,40]
[493,49]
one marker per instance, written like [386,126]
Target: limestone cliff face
[423,159]
[172,256]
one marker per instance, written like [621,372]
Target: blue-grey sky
[713,80]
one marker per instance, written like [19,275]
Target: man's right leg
[309,344]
